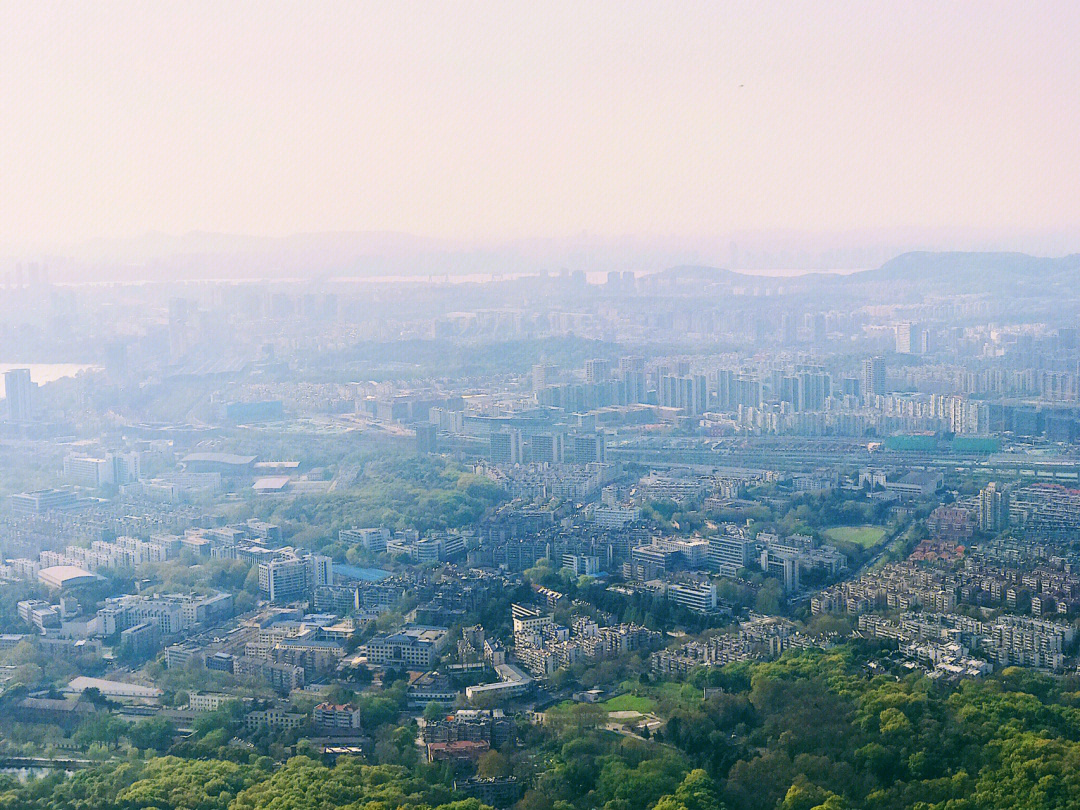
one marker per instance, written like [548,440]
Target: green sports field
[629,703]
[865,536]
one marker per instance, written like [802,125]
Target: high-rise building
[590,448]
[814,390]
[597,371]
[783,565]
[788,391]
[320,570]
[634,386]
[687,393]
[294,578]
[547,448]
[734,389]
[873,379]
[993,507]
[127,467]
[725,390]
[747,392]
[907,338]
[283,580]
[19,393]
[507,447]
[543,374]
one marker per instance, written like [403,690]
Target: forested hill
[812,730]
[969,267]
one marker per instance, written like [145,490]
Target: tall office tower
[19,393]
[993,507]
[597,371]
[873,378]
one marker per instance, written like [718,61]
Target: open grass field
[629,703]
[621,703]
[865,536]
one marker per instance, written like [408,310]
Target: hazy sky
[510,119]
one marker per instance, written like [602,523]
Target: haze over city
[539,406]
[619,135]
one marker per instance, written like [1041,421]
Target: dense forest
[811,730]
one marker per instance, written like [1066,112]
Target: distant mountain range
[967,269]
[970,267]
[199,255]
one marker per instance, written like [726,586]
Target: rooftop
[61,576]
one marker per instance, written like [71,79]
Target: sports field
[865,536]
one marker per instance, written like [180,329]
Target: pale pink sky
[511,119]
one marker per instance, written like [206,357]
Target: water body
[44,372]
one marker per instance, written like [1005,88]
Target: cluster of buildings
[662,564]
[543,481]
[140,623]
[484,729]
[760,637]
[898,586]
[951,641]
[278,647]
[542,646]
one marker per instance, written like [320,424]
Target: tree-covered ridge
[811,730]
[171,783]
[816,725]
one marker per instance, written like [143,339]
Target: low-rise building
[412,647]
